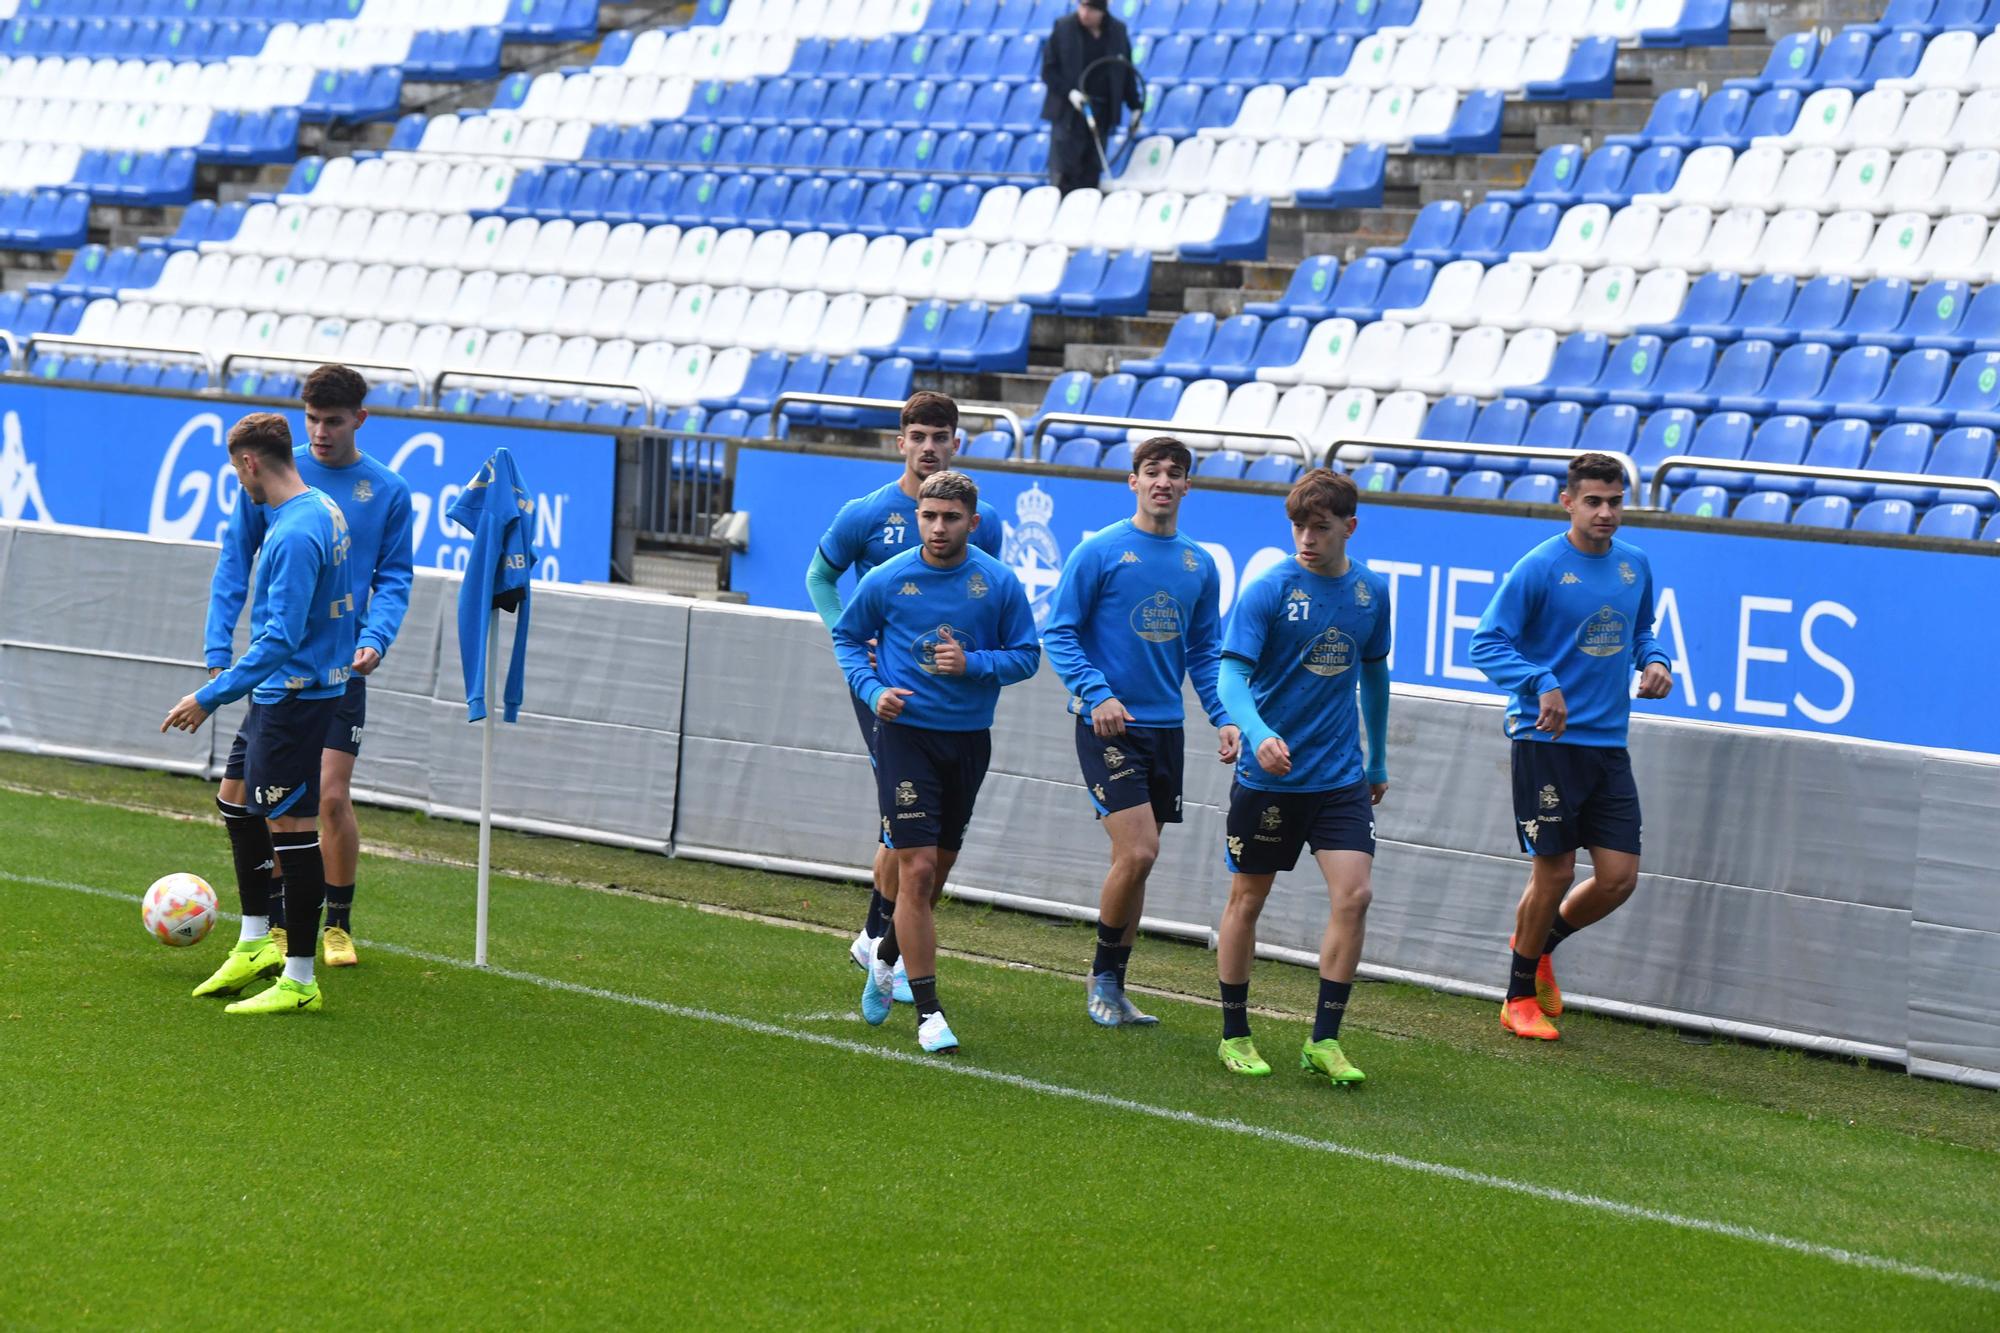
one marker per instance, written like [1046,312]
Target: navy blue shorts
[1144,766]
[344,734]
[1571,796]
[277,754]
[1267,829]
[927,782]
[865,715]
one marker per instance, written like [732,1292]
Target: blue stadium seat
[1232,351]
[1272,468]
[1966,451]
[1765,507]
[1628,372]
[1076,453]
[1840,444]
[1991,532]
[1531,227]
[1702,502]
[1934,314]
[1185,353]
[1895,517]
[1901,448]
[1117,458]
[1980,328]
[1308,294]
[1552,179]
[1480,484]
[1782,439]
[1672,121]
[1157,398]
[1869,382]
[1534,488]
[1426,480]
[1578,361]
[1723,435]
[1957,521]
[1431,236]
[1227,464]
[1681,379]
[1798,378]
[1664,435]
[1824,511]
[992,444]
[1356,295]
[1972,399]
[1069,392]
[1111,397]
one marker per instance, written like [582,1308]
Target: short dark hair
[950,485]
[927,408]
[1322,491]
[334,386]
[1162,446]
[264,434]
[1595,467]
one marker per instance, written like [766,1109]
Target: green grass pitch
[662,1114]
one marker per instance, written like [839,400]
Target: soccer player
[1136,612]
[951,627]
[1301,638]
[867,531]
[376,504]
[295,673]
[1562,637]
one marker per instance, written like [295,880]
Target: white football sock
[254,928]
[299,970]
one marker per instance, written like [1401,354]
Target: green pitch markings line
[1306,1143]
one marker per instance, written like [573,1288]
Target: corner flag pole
[486,791]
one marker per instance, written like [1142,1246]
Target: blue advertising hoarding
[158,466]
[1876,642]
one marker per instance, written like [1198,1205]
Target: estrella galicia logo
[1603,634]
[1329,654]
[1032,552]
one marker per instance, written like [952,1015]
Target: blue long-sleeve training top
[874,528]
[908,606]
[376,504]
[1303,640]
[304,640]
[1579,623]
[1134,614]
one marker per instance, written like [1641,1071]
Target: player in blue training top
[295,672]
[376,504]
[1136,613]
[866,532]
[1301,638]
[949,626]
[1563,636]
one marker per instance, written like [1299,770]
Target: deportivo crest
[364,490]
[1188,562]
[1569,578]
[976,585]
[906,794]
[1032,552]
[1271,818]
[1129,558]
[1362,596]
[1627,574]
[1550,800]
[909,590]
[1114,757]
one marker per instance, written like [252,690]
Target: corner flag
[499,509]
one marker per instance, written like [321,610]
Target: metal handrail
[297,359]
[984,411]
[469,373]
[1166,428]
[206,357]
[1625,461]
[1928,481]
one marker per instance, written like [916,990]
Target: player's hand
[1274,756]
[871,655]
[365,661]
[949,659]
[1228,744]
[890,706]
[1555,715]
[1376,791]
[1656,682]
[187,715]
[1108,719]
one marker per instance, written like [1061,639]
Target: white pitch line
[1591,1202]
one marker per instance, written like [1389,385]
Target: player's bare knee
[1352,900]
[336,808]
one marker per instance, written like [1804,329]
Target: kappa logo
[364,490]
[1271,818]
[1297,595]
[1626,573]
[1129,558]
[909,590]
[906,793]
[1550,800]
[885,826]
[1097,790]
[1529,828]
[1114,757]
[1570,578]
[976,585]
[272,795]
[1235,848]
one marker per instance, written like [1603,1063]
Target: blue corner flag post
[499,510]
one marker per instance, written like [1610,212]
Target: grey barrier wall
[1824,893]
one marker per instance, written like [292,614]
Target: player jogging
[1562,637]
[1136,612]
[376,504]
[867,531]
[1300,639]
[295,673]
[951,627]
